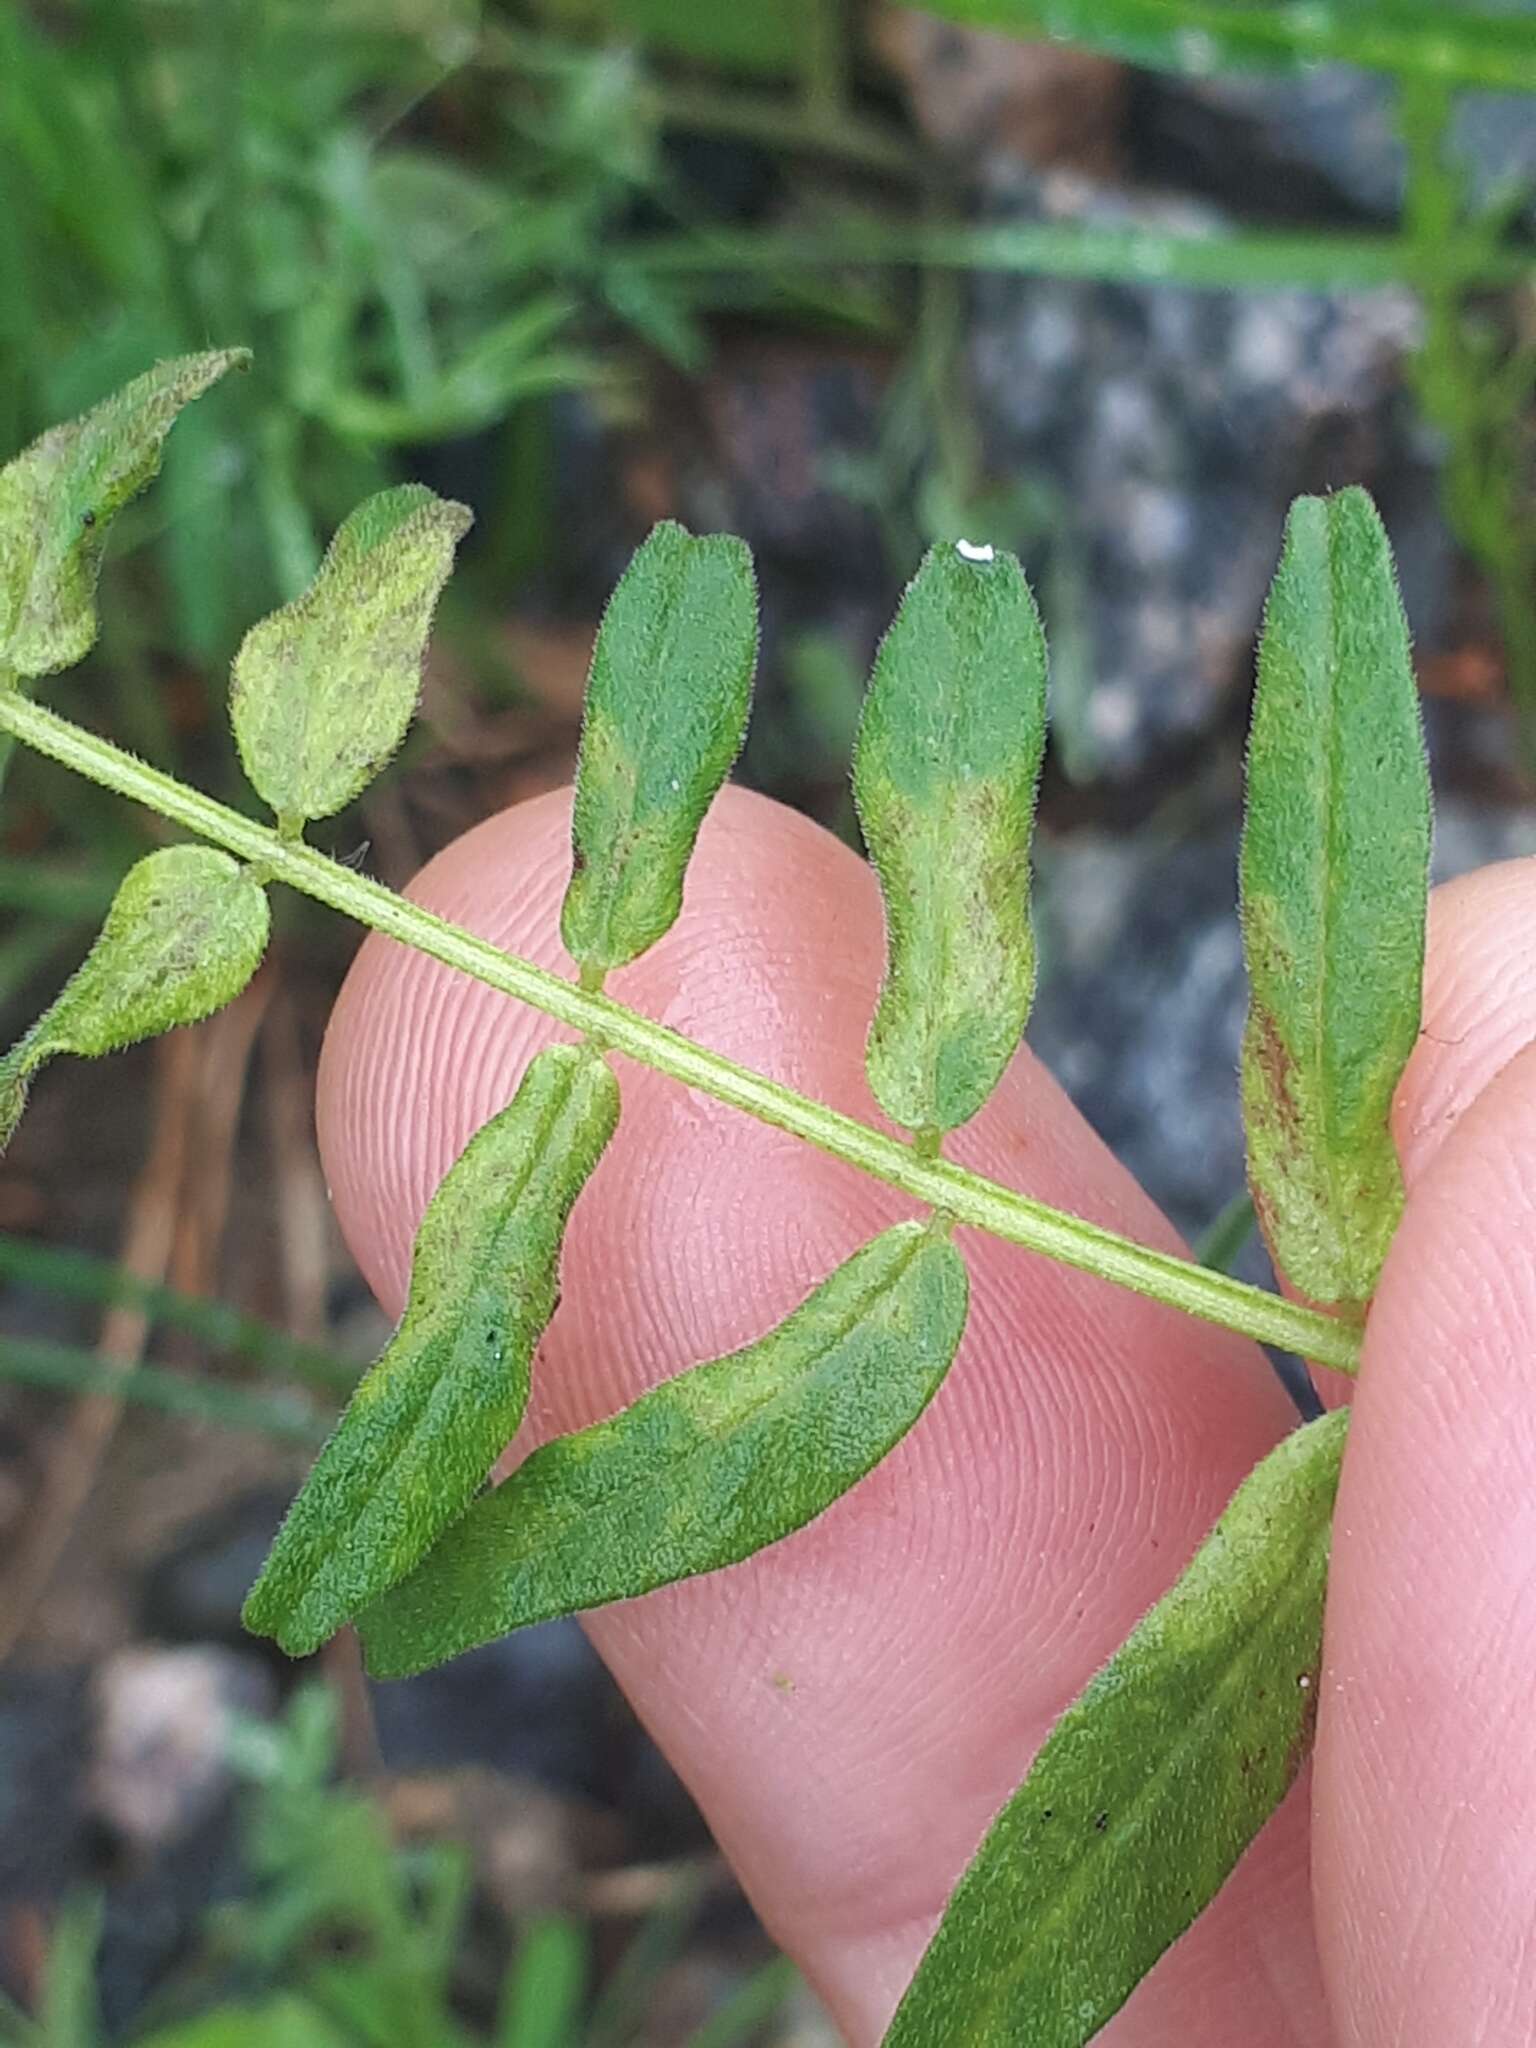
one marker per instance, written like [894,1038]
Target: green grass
[343,1939]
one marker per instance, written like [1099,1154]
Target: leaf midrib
[751,1409]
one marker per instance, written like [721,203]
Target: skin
[851,1707]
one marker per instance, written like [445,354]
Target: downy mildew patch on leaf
[323,691]
[944,777]
[59,497]
[1335,880]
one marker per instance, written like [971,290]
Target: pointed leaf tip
[1335,882]
[185,934]
[323,691]
[58,499]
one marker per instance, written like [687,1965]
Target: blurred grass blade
[79,1276]
[71,157]
[185,933]
[63,894]
[944,777]
[703,1471]
[1224,1242]
[1150,1786]
[662,1938]
[64,1369]
[1335,880]
[284,2020]
[545,1987]
[1457,44]
[58,498]
[666,712]
[323,690]
[748,2009]
[70,2012]
[24,951]
[1218,259]
[442,1403]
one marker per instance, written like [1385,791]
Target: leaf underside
[184,935]
[59,497]
[323,691]
[1335,879]
[1150,1786]
[700,1473]
[432,1416]
[666,713]
[945,774]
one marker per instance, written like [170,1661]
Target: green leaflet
[185,933]
[1335,877]
[703,1471]
[1150,1786]
[432,1416]
[944,777]
[323,690]
[666,712]
[58,498]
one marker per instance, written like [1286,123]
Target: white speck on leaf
[975,551]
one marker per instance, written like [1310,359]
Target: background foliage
[448,231]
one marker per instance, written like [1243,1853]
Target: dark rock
[1143,991]
[1323,133]
[44,1826]
[1141,1005]
[539,1705]
[533,1704]
[161,1761]
[157,1912]
[1475,748]
[1167,429]
[760,446]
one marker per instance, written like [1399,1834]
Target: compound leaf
[185,933]
[666,712]
[1335,878]
[944,777]
[703,1471]
[1150,1786]
[432,1416]
[58,497]
[323,690]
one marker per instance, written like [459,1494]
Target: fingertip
[1479,1003]
[852,1706]
[1425,1788]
